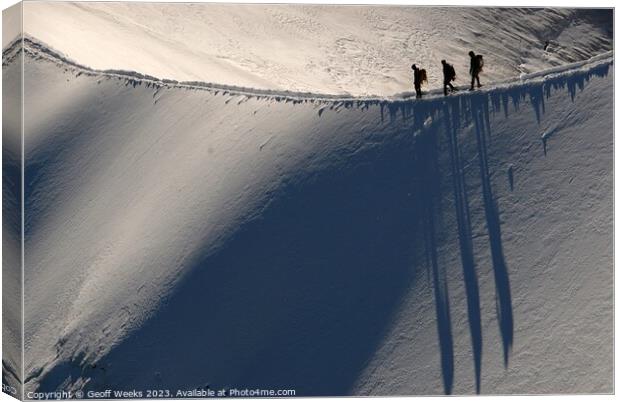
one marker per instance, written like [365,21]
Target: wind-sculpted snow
[357,50]
[40,50]
[181,235]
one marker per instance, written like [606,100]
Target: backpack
[480,62]
[451,72]
[423,76]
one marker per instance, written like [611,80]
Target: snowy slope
[327,49]
[11,233]
[184,236]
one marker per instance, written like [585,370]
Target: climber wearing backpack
[449,75]
[475,68]
[419,76]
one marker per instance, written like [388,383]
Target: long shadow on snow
[480,115]
[451,114]
[426,163]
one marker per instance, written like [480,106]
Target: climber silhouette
[449,75]
[419,76]
[475,68]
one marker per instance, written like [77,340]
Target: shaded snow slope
[360,50]
[12,297]
[189,236]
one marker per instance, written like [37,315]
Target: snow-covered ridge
[354,50]
[38,49]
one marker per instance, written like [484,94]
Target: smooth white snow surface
[183,236]
[357,50]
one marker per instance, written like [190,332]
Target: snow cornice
[37,49]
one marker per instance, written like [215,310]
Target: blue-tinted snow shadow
[452,120]
[480,115]
[300,297]
[11,260]
[426,160]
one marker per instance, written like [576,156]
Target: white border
[489,3]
